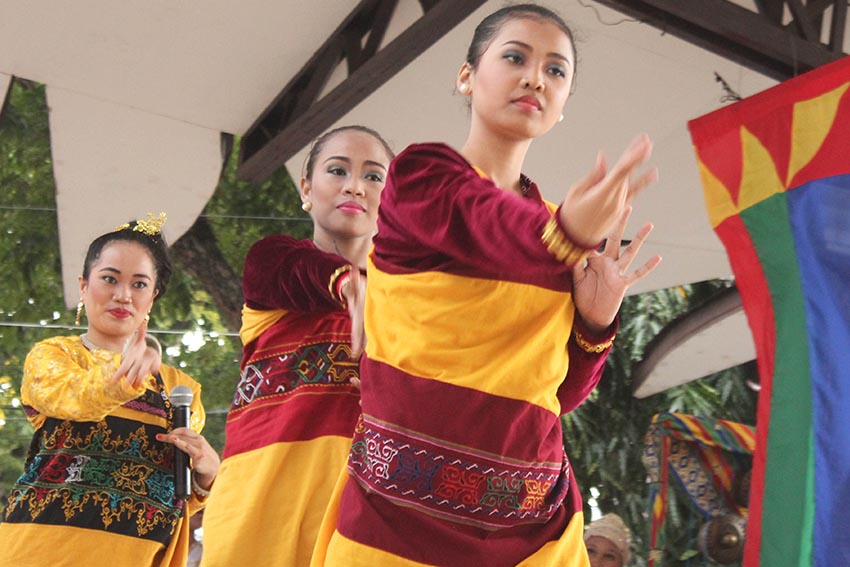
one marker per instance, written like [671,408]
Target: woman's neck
[499,158]
[92,340]
[355,250]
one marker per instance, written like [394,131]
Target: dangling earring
[147,318]
[79,312]
[307,206]
[561,118]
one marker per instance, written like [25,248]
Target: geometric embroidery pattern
[455,483]
[322,363]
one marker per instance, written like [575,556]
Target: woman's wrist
[593,338]
[339,279]
[560,243]
[201,487]
[595,330]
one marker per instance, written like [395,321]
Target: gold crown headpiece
[152,226]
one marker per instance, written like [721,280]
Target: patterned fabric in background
[705,457]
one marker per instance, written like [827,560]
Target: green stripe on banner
[806,555]
[788,501]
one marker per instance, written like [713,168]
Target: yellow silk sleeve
[62,379]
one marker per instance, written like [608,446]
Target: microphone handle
[182,472]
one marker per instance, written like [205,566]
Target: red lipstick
[529,102]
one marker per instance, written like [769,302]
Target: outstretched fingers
[634,155]
[612,242]
[625,257]
[636,186]
[643,271]
[594,176]
[631,251]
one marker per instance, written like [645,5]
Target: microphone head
[180,396]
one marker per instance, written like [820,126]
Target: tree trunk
[198,253]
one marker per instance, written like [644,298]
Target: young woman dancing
[489,314]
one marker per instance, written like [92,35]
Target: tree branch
[197,253]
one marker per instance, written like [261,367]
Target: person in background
[98,485]
[293,414]
[608,542]
[489,315]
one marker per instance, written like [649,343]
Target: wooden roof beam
[297,115]
[756,40]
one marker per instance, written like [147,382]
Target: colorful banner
[775,168]
[705,456]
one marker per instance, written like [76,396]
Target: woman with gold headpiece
[296,404]
[98,487]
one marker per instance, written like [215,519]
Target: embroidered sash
[455,483]
[111,475]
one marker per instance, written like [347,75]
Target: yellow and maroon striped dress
[293,413]
[458,458]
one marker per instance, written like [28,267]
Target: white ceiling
[140,90]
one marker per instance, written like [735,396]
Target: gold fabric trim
[588,346]
[560,246]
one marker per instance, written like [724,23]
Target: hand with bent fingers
[205,461]
[594,205]
[354,292]
[600,285]
[138,361]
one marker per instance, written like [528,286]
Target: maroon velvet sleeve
[586,368]
[435,202]
[284,273]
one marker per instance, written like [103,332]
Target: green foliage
[604,437]
[29,251]
[15,432]
[29,245]
[242,213]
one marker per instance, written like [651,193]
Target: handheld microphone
[181,399]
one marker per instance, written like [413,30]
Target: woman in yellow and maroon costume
[484,326]
[293,414]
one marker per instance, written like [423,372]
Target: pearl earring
[307,206]
[463,88]
[561,118]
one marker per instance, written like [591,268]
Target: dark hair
[490,26]
[155,245]
[319,144]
